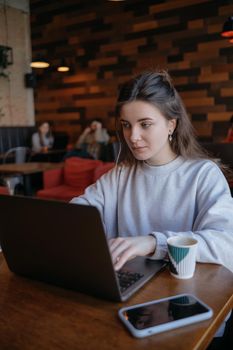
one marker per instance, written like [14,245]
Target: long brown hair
[156,88]
[47,135]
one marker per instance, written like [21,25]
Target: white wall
[16,101]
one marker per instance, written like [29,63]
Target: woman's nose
[135,135]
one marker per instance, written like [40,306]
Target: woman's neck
[159,162]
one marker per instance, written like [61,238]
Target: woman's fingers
[122,250]
[125,248]
[117,247]
[123,258]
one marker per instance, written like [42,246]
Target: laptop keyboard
[127,279]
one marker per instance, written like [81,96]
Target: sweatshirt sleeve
[93,195]
[36,146]
[103,196]
[81,140]
[213,224]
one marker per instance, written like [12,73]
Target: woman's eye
[125,125]
[146,125]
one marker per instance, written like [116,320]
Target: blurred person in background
[42,140]
[92,139]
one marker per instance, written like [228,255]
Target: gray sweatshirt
[183,197]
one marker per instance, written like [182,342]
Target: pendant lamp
[39,62]
[63,66]
[227,31]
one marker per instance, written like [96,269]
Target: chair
[15,155]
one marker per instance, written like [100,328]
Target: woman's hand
[87,130]
[44,149]
[126,248]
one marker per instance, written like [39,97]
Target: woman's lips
[138,149]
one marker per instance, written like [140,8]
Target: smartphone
[164,314]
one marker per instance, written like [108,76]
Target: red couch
[4,190]
[71,180]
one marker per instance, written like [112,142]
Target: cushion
[53,177]
[4,190]
[79,173]
[102,169]
[62,193]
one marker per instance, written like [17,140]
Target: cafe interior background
[100,44]
[103,43]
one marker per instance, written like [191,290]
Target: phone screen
[164,312]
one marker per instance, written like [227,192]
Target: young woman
[164,184]
[42,140]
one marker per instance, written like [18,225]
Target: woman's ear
[172,124]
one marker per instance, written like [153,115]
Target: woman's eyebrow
[144,119]
[139,120]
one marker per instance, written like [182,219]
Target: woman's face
[146,132]
[44,128]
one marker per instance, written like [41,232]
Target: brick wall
[106,42]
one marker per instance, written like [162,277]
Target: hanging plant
[4,75]
[2,114]
[6,58]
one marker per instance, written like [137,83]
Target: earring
[170,136]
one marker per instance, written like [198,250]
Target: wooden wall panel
[107,42]
[174,5]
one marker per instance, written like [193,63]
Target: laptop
[65,244]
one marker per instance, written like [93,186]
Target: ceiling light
[63,67]
[39,62]
[227,31]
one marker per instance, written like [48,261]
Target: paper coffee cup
[182,256]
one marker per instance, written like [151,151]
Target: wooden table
[51,155]
[26,170]
[34,315]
